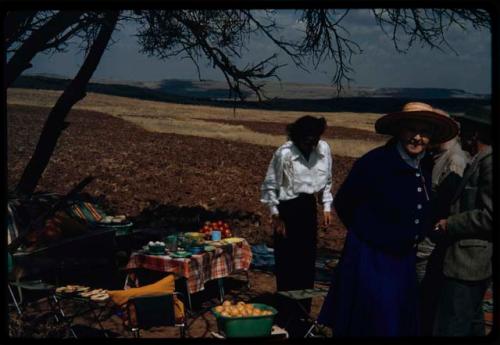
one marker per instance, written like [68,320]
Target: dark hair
[484,135]
[306,126]
[481,130]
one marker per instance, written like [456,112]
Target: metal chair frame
[298,295]
[182,325]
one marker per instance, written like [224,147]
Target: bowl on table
[156,248]
[196,249]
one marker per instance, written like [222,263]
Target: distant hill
[283,96]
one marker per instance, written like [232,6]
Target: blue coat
[384,203]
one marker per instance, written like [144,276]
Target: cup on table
[171,243]
[216,235]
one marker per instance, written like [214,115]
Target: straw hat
[445,128]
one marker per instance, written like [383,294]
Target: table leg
[190,307]
[14,300]
[97,317]
[64,319]
[220,282]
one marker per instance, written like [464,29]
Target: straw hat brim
[445,128]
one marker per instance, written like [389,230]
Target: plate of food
[80,288]
[196,249]
[215,243]
[155,248]
[209,248]
[233,240]
[93,292]
[180,254]
[68,289]
[100,297]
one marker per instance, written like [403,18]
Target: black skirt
[295,254]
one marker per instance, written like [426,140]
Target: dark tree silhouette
[37,42]
[55,123]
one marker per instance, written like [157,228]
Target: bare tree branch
[36,42]
[428,26]
[325,38]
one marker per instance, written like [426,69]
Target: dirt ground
[152,177]
[149,176]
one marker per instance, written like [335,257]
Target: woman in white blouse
[299,169]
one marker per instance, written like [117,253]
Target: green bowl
[156,250]
[249,326]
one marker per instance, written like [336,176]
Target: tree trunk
[36,42]
[55,123]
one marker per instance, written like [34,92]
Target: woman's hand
[441,226]
[327,219]
[278,225]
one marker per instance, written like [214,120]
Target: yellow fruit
[235,313]
[240,303]
[227,303]
[256,312]
[225,314]
[219,308]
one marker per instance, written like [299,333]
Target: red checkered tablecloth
[199,268]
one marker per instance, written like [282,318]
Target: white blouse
[290,174]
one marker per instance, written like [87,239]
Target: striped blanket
[85,211]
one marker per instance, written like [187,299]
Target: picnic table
[197,269]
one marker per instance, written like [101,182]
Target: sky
[379,64]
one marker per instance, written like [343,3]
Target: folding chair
[15,283]
[34,286]
[153,311]
[298,296]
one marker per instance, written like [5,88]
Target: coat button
[419,206]
[419,189]
[417,174]
[417,221]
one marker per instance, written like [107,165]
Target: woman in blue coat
[384,204]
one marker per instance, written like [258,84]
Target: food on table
[61,289]
[180,255]
[156,246]
[93,292]
[194,238]
[223,227]
[72,289]
[156,243]
[99,297]
[114,219]
[233,240]
[82,288]
[209,248]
